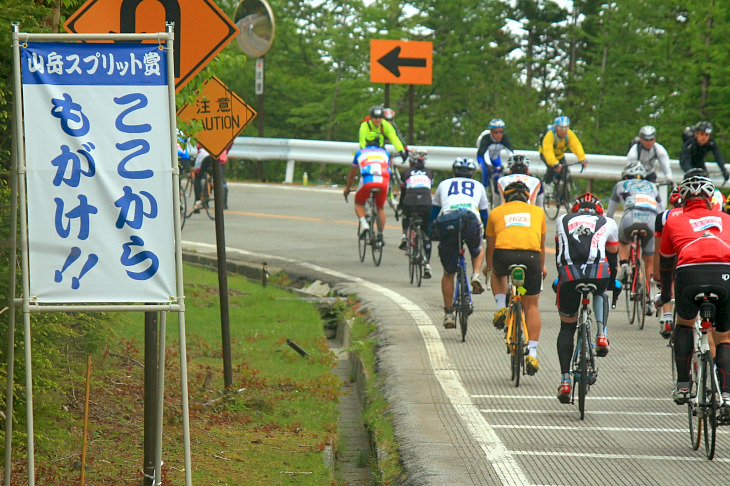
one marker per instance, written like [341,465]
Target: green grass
[270,428]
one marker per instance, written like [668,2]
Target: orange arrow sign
[222,113]
[401,62]
[202,30]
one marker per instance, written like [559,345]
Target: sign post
[401,62]
[223,115]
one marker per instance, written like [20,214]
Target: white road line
[589,429]
[564,454]
[572,410]
[552,397]
[504,464]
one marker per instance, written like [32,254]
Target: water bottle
[305,179]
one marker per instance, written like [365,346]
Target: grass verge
[269,429]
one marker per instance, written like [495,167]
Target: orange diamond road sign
[401,62]
[222,113]
[202,30]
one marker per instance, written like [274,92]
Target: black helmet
[463,167]
[417,157]
[703,126]
[516,191]
[518,164]
[376,112]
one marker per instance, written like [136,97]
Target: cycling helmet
[518,164]
[388,114]
[376,112]
[516,191]
[562,122]
[496,123]
[696,172]
[674,198]
[463,167]
[703,126]
[647,132]
[696,187]
[589,203]
[634,170]
[417,157]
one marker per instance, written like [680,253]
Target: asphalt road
[459,418]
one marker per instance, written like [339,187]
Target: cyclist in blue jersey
[490,143]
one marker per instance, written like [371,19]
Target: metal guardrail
[440,158]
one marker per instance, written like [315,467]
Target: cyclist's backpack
[689,132]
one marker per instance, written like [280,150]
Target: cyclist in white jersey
[641,203]
[650,153]
[518,168]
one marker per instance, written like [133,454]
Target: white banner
[99,173]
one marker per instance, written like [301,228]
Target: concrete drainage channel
[352,457]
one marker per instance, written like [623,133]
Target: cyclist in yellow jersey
[516,235]
[556,141]
[376,129]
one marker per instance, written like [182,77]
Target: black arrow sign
[392,62]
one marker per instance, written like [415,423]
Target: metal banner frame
[29,305]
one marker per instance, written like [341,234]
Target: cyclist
[696,252]
[375,128]
[415,198]
[650,153]
[666,323]
[518,169]
[695,149]
[491,142]
[516,235]
[587,245]
[372,163]
[464,198]
[554,144]
[641,203]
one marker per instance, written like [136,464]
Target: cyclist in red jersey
[697,242]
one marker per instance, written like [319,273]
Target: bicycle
[396,181]
[561,194]
[207,199]
[416,249]
[704,402]
[583,366]
[373,237]
[637,294]
[516,334]
[462,303]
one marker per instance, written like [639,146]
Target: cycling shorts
[363,193]
[471,234]
[502,259]
[638,220]
[569,298]
[690,280]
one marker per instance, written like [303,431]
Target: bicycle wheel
[711,404]
[518,358]
[207,197]
[377,242]
[694,412]
[464,302]
[183,206]
[627,283]
[643,296]
[409,253]
[635,290]
[362,242]
[552,201]
[583,370]
[418,255]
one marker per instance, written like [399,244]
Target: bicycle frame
[416,248]
[462,303]
[584,369]
[516,291]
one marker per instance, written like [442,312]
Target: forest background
[610,67]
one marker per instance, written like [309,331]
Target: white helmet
[647,132]
[634,170]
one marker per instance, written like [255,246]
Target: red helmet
[587,202]
[674,198]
